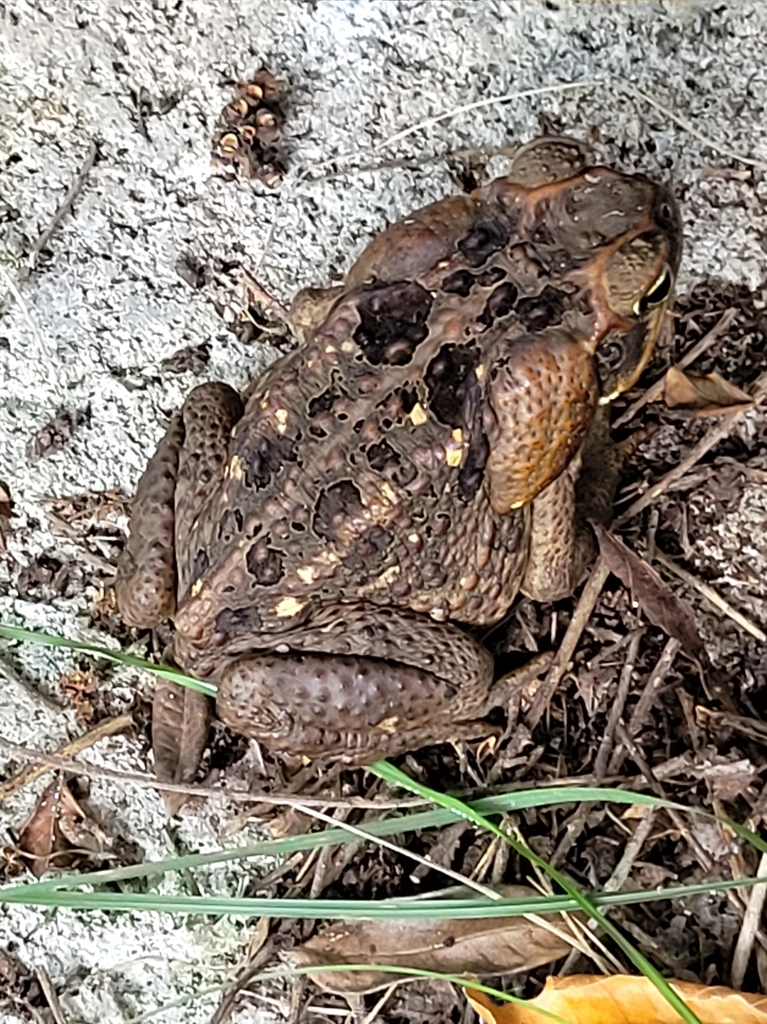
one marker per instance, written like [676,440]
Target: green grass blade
[119,657]
[404,908]
[396,777]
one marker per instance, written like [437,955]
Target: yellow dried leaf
[622,999]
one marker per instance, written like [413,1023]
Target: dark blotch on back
[389,463]
[265,564]
[482,241]
[542,310]
[199,565]
[448,376]
[334,507]
[232,619]
[392,321]
[324,402]
[230,525]
[499,304]
[462,281]
[264,456]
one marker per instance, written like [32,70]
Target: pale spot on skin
[307,574]
[389,725]
[288,607]
[413,538]
[281,415]
[382,582]
[388,492]
[236,468]
[196,588]
[348,346]
[330,349]
[480,372]
[418,415]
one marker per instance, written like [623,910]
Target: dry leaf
[653,595]
[180,720]
[588,999]
[708,395]
[58,833]
[498,945]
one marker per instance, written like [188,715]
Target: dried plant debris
[192,359]
[6,511]
[80,688]
[248,136]
[709,395]
[57,432]
[59,833]
[20,992]
[180,721]
[653,595]
[485,946]
[623,999]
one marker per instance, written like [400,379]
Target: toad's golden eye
[658,292]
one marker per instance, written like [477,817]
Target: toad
[430,450]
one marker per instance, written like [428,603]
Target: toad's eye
[658,292]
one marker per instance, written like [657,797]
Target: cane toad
[410,467]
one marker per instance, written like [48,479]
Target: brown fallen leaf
[59,833]
[497,945]
[180,721]
[622,999]
[653,595]
[708,395]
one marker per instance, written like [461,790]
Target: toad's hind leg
[180,475]
[361,682]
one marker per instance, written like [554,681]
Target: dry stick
[48,761]
[655,392]
[44,237]
[107,727]
[646,700]
[711,595]
[631,851]
[616,709]
[736,899]
[581,615]
[577,822]
[748,929]
[51,997]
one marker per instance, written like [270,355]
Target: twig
[631,851]
[712,438]
[688,127]
[748,929]
[646,699]
[44,237]
[711,595]
[145,782]
[483,890]
[584,608]
[106,727]
[655,392]
[65,205]
[617,706]
[52,999]
[492,101]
